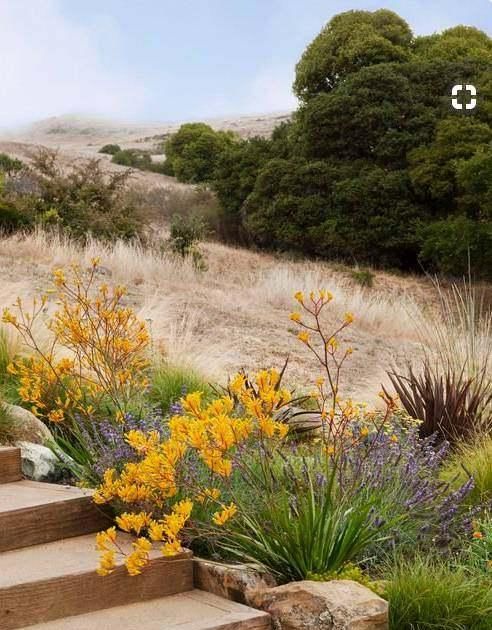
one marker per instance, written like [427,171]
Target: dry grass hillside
[236,314]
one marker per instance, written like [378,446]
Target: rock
[301,420]
[27,427]
[334,605]
[231,581]
[39,463]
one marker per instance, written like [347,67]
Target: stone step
[10,464]
[42,583]
[193,610]
[32,513]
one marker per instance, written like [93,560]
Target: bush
[193,151]
[427,595]
[186,235]
[10,165]
[80,198]
[133,158]
[448,403]
[452,246]
[110,149]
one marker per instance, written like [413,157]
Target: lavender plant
[398,473]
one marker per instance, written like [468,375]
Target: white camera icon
[457,89]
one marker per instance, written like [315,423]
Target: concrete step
[194,610]
[45,582]
[32,513]
[10,464]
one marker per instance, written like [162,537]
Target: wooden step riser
[10,464]
[52,521]
[74,594]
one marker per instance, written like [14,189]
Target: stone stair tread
[191,610]
[18,495]
[55,559]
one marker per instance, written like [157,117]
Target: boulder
[39,463]
[26,426]
[301,420]
[334,605]
[231,581]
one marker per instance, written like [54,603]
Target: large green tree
[348,43]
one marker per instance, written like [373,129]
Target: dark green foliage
[192,153]
[376,166]
[325,209]
[349,42]
[316,533]
[133,158]
[186,235]
[110,149]
[454,245]
[367,117]
[81,198]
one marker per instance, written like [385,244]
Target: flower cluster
[212,432]
[101,342]
[337,416]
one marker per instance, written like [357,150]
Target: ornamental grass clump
[95,361]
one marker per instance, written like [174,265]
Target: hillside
[236,313]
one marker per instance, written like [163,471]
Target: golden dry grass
[236,313]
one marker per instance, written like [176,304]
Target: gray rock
[26,426]
[39,463]
[334,605]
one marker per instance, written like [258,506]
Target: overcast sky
[162,60]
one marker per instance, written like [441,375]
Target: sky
[174,60]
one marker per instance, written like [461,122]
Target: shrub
[186,235]
[427,594]
[397,472]
[80,198]
[448,403]
[9,165]
[204,436]
[192,152]
[453,245]
[134,158]
[94,448]
[110,149]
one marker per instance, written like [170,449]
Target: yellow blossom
[227,512]
[303,336]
